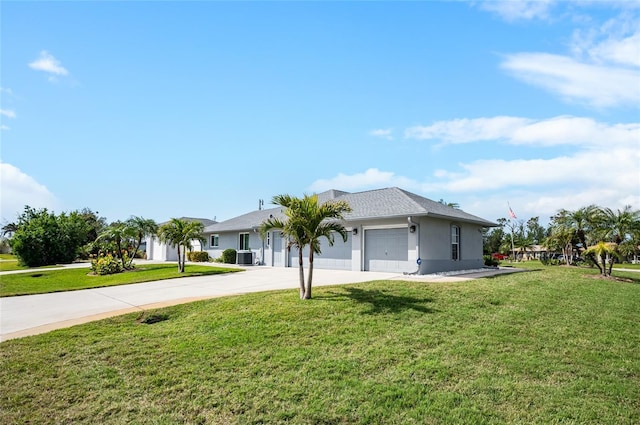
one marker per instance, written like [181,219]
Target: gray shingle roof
[381,203]
[204,221]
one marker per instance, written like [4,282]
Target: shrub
[106,264]
[198,256]
[229,256]
[490,261]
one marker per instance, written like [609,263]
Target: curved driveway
[33,314]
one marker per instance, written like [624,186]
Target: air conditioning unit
[244,258]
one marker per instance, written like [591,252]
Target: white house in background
[390,230]
[162,252]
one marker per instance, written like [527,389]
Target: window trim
[241,238]
[455,242]
[217,241]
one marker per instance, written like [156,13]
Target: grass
[552,345]
[42,281]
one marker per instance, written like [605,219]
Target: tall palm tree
[181,234]
[619,225]
[306,222]
[582,222]
[141,228]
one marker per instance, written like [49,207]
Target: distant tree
[450,204]
[8,229]
[618,226]
[43,238]
[180,234]
[307,221]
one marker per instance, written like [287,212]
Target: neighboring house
[155,250]
[389,230]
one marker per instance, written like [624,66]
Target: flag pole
[513,249]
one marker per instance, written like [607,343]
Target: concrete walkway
[34,314]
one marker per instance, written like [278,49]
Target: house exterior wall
[435,246]
[430,242]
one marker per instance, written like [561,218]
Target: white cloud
[3,127]
[511,10]
[561,130]
[8,113]
[384,133]
[47,63]
[371,178]
[20,189]
[467,130]
[597,85]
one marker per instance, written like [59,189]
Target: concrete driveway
[34,314]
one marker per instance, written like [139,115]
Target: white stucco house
[155,250]
[390,230]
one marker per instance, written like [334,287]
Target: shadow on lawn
[382,302]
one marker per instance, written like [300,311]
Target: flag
[511,213]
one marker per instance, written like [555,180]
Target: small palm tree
[141,228]
[604,253]
[306,222]
[180,234]
[119,234]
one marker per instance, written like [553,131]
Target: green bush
[198,256]
[229,256]
[106,264]
[490,261]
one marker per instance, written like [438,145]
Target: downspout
[417,231]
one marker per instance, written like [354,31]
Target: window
[455,243]
[244,241]
[215,240]
[268,238]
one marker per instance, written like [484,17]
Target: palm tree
[582,223]
[306,223]
[141,228]
[180,234]
[619,225]
[118,233]
[604,253]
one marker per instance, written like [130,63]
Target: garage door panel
[386,250]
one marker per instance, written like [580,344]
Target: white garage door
[386,250]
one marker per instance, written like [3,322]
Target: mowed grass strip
[41,281]
[553,345]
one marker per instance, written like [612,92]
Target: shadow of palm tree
[381,302]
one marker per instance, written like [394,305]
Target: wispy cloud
[384,133]
[510,10]
[572,80]
[561,130]
[4,127]
[602,65]
[20,189]
[602,169]
[49,64]
[7,113]
[371,178]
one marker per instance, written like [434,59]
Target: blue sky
[169,109]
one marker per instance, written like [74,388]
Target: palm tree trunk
[301,272]
[307,293]
[179,259]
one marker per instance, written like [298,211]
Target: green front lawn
[552,345]
[42,281]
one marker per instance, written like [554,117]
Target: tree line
[39,237]
[595,234]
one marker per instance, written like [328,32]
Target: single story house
[156,250]
[389,230]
